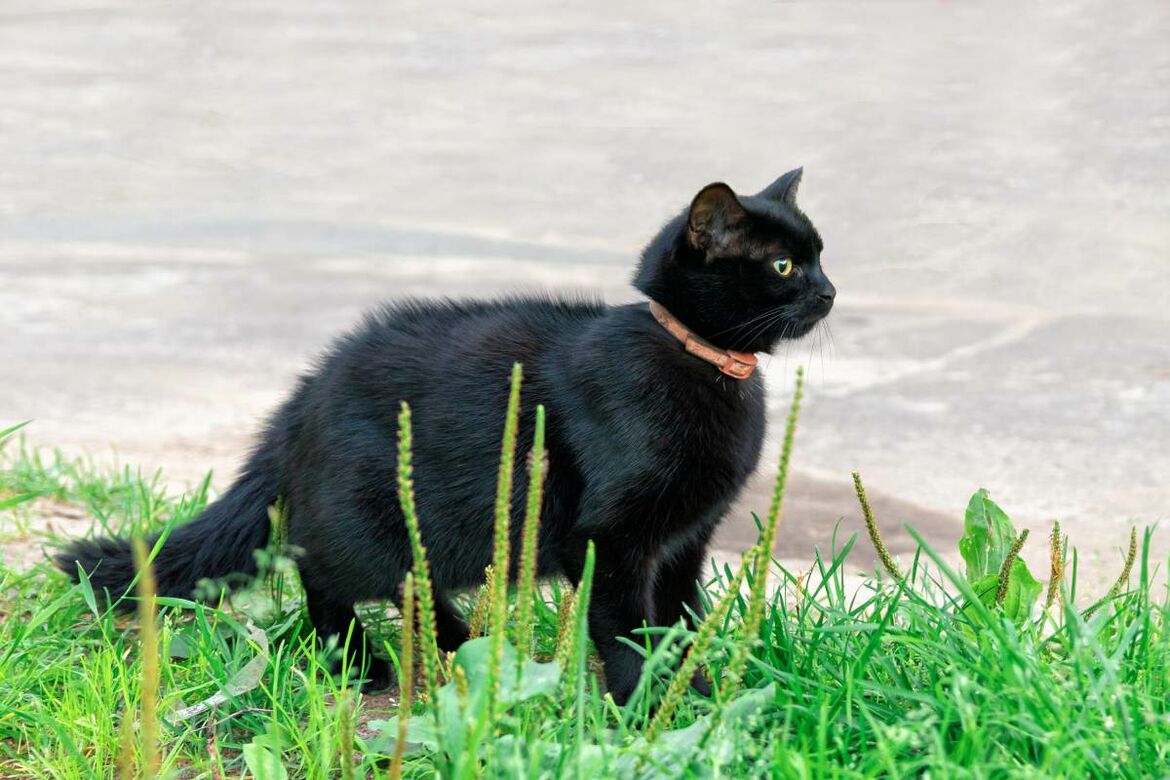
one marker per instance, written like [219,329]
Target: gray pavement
[195,197]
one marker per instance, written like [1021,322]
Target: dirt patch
[375,706]
[27,532]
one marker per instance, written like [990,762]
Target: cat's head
[742,271]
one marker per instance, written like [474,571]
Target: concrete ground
[194,198]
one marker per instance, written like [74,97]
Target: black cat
[654,424]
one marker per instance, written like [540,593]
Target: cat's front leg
[677,592]
[621,601]
[676,583]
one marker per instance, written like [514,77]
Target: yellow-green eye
[783,267]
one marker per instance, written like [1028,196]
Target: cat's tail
[221,541]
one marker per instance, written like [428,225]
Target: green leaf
[987,536]
[535,679]
[263,757]
[420,735]
[985,588]
[247,679]
[450,733]
[1022,592]
[473,655]
[179,648]
[710,741]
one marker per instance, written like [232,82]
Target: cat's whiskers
[778,313]
[787,343]
[760,328]
[818,345]
[741,325]
[821,331]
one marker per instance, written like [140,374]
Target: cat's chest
[702,453]
[674,425]
[663,459]
[714,437]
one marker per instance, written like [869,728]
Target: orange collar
[737,365]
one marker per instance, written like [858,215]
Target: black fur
[647,445]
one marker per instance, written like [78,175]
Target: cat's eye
[784,266]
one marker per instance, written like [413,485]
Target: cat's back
[516,325]
[418,349]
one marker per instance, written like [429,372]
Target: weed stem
[875,535]
[1005,571]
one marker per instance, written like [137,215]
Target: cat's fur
[647,445]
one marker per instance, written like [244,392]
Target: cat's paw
[378,677]
[451,633]
[700,685]
[622,673]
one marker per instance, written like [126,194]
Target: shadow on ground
[813,507]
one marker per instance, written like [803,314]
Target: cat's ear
[784,189]
[715,219]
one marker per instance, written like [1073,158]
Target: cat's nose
[827,292]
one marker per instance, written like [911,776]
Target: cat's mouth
[822,309]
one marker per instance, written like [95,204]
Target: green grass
[936,671]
